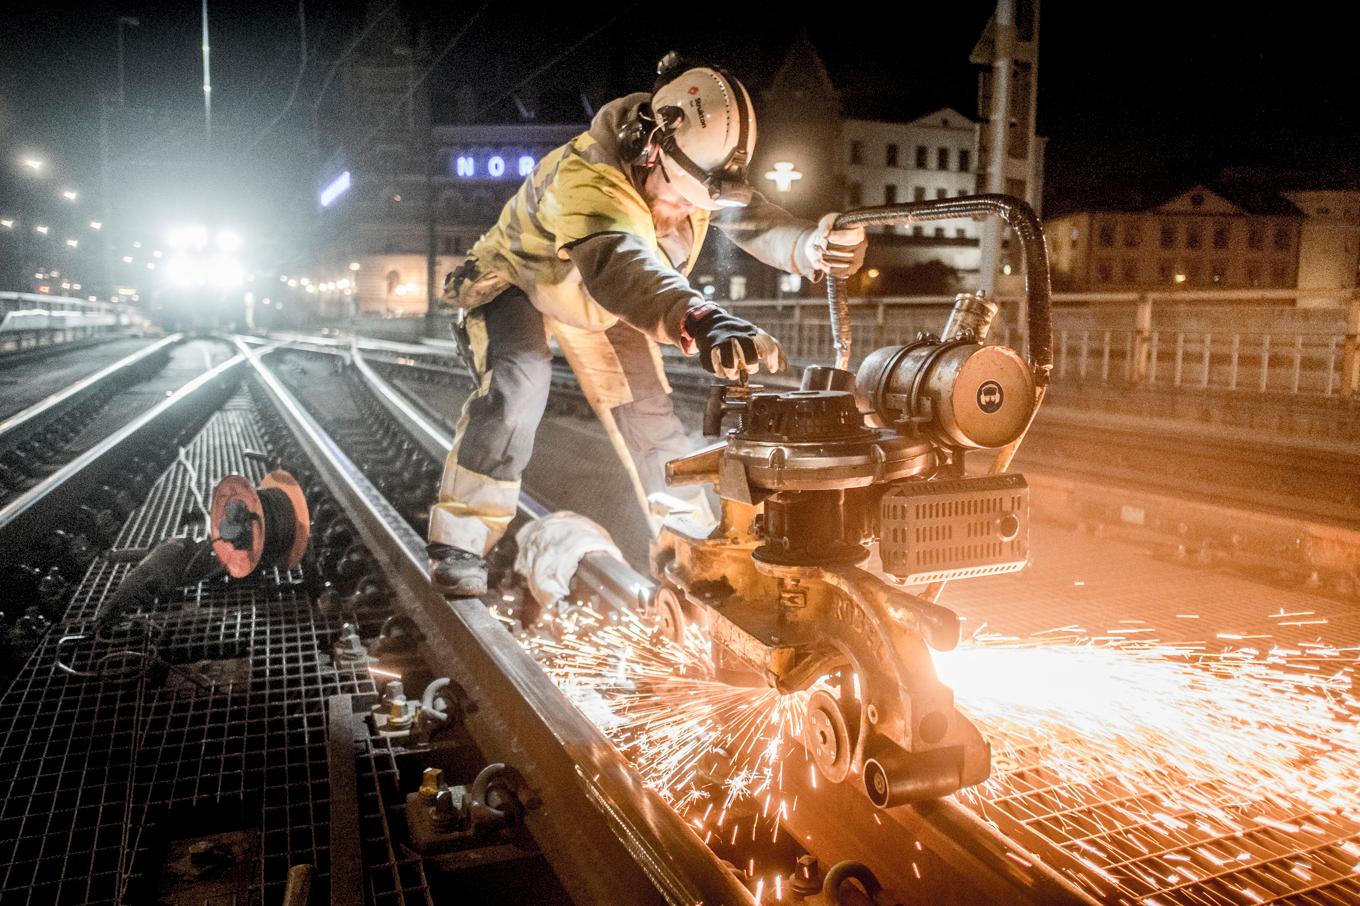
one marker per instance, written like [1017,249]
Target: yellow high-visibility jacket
[583,190]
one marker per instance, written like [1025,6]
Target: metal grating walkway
[108,779]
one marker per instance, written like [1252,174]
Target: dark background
[1133,94]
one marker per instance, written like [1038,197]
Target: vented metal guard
[931,531]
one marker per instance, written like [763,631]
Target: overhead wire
[297,79]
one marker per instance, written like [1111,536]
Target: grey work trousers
[495,436]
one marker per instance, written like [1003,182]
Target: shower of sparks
[695,739]
[1158,773]
[1172,773]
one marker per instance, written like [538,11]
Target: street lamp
[129,21]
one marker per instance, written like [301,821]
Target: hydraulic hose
[1019,216]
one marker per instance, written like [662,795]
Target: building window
[857,152]
[1192,237]
[1194,271]
[1281,239]
[855,192]
[1221,236]
[737,288]
[1168,236]
[892,156]
[1133,236]
[964,154]
[941,193]
[1104,270]
[1255,238]
[961,192]
[1197,200]
[960,234]
[1164,270]
[1130,270]
[939,232]
[1253,275]
[918,193]
[941,158]
[1279,274]
[890,193]
[1105,234]
[1218,271]
[918,231]
[1015,187]
[921,153]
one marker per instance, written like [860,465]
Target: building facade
[1196,239]
[1329,240]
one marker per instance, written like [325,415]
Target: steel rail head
[610,838]
[65,395]
[1017,214]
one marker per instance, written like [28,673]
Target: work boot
[456,572]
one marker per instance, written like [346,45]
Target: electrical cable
[297,80]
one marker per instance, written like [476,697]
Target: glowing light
[465,166]
[495,167]
[127,259]
[186,237]
[1179,278]
[69,194]
[354,265]
[73,243]
[33,164]
[158,254]
[783,175]
[526,165]
[293,283]
[151,265]
[337,187]
[7,224]
[40,229]
[872,273]
[96,225]
[229,241]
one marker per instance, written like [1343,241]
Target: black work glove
[728,345]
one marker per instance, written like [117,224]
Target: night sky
[1170,91]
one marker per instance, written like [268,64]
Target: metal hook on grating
[193,486]
[104,665]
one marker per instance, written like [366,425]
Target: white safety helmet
[707,129]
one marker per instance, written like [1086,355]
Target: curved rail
[1028,231]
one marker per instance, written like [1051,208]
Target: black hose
[845,871]
[1019,216]
[280,526]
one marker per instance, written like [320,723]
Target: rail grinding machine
[839,496]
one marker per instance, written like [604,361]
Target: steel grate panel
[105,769]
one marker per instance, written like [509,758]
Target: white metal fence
[1264,342]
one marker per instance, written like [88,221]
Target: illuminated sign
[491,164]
[339,186]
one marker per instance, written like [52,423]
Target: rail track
[237,726]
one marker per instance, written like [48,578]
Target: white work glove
[839,253]
[728,345]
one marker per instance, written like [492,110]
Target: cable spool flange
[266,526]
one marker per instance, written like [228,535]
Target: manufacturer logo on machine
[990,397]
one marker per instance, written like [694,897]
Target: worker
[593,250]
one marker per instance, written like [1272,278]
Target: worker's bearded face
[669,207]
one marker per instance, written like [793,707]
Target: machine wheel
[665,613]
[826,736]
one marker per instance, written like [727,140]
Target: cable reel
[259,527]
